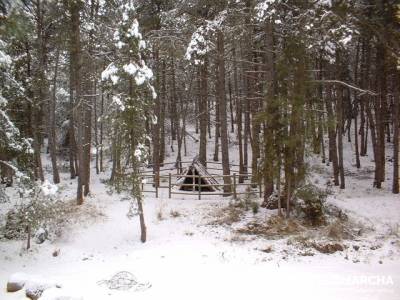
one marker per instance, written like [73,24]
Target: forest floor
[208,249]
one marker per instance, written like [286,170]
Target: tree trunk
[203,112]
[355,110]
[217,124]
[96,134]
[173,113]
[380,109]
[332,136]
[156,129]
[222,112]
[101,133]
[239,119]
[87,123]
[340,135]
[71,125]
[396,132]
[74,8]
[163,103]
[231,107]
[40,91]
[51,123]
[272,114]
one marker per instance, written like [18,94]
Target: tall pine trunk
[271,109]
[396,132]
[51,123]
[222,112]
[203,114]
[75,8]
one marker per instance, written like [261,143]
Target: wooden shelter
[195,173]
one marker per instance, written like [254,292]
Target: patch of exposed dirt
[226,216]
[274,227]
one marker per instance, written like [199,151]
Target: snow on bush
[48,188]
[35,286]
[309,203]
[14,148]
[109,73]
[35,213]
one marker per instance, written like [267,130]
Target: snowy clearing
[186,257]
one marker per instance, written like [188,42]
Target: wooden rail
[178,165]
[155,182]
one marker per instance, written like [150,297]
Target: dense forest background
[82,81]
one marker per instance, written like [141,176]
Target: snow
[5,60]
[153,94]
[19,278]
[142,45]
[118,102]
[327,3]
[144,73]
[133,31]
[3,101]
[35,285]
[48,188]
[129,6]
[187,257]
[140,151]
[109,73]
[140,73]
[32,284]
[199,266]
[120,44]
[131,68]
[263,9]
[346,40]
[198,45]
[61,92]
[59,294]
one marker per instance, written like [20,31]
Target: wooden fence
[157,180]
[178,166]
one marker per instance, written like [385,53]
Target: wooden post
[260,188]
[234,186]
[157,183]
[157,178]
[28,242]
[169,185]
[288,199]
[199,188]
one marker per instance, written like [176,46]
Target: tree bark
[156,129]
[239,119]
[75,8]
[396,132]
[222,112]
[340,136]
[355,110]
[51,123]
[163,103]
[217,123]
[272,115]
[40,91]
[332,136]
[202,109]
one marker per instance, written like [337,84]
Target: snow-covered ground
[185,257]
